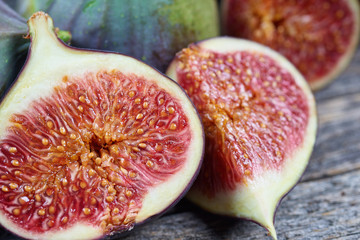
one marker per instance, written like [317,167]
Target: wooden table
[324,205]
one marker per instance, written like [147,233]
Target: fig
[91,143]
[318,37]
[12,28]
[260,123]
[152,30]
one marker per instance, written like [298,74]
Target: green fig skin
[152,30]
[12,29]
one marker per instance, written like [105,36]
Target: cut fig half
[91,143]
[318,37]
[260,124]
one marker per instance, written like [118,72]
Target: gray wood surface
[324,205]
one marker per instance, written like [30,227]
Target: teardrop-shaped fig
[260,124]
[91,143]
[151,30]
[12,29]
[318,37]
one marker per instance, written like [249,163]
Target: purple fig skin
[6,10]
[116,235]
[12,28]
[130,28]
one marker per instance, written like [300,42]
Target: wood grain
[324,205]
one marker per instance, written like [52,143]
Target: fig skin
[152,31]
[14,45]
[255,195]
[43,74]
[296,29]
[12,29]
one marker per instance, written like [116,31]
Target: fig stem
[41,24]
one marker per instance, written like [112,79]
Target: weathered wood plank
[321,209]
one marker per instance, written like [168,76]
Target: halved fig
[260,124]
[91,143]
[318,37]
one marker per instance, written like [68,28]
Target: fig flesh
[91,143]
[260,124]
[318,37]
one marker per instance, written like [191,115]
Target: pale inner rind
[259,198]
[49,62]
